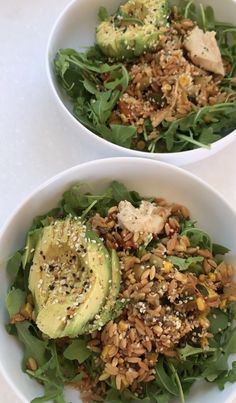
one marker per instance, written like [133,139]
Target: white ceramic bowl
[75,28]
[145,176]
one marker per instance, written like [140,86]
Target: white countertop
[35,141]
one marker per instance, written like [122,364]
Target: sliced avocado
[31,242]
[69,278]
[111,308]
[133,29]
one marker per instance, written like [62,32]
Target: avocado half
[70,278]
[133,29]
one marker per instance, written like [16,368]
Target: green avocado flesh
[133,29]
[110,308]
[70,278]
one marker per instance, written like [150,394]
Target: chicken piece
[204,51]
[148,218]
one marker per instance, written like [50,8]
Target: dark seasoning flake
[68,276]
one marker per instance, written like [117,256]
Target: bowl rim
[65,174]
[203,152]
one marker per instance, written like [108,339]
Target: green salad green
[96,84]
[54,362]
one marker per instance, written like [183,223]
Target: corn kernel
[204,342]
[123,326]
[184,80]
[168,266]
[211,293]
[223,304]
[212,277]
[201,304]
[105,352]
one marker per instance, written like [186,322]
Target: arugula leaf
[32,240]
[198,237]
[164,380]
[230,345]
[185,133]
[208,136]
[51,376]
[112,396]
[13,266]
[95,99]
[126,396]
[34,347]
[214,366]
[77,350]
[75,200]
[219,249]
[120,192]
[44,219]
[119,134]
[218,320]
[189,351]
[103,13]
[186,224]
[14,301]
[103,105]
[156,394]
[18,277]
[227,376]
[185,264]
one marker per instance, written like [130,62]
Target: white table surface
[35,141]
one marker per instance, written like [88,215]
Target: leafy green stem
[187,9]
[86,211]
[192,141]
[181,393]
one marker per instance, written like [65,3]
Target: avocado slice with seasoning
[133,29]
[31,242]
[112,306]
[69,278]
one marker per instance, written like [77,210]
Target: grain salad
[149,299]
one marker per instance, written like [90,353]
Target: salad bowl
[150,178]
[75,29]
